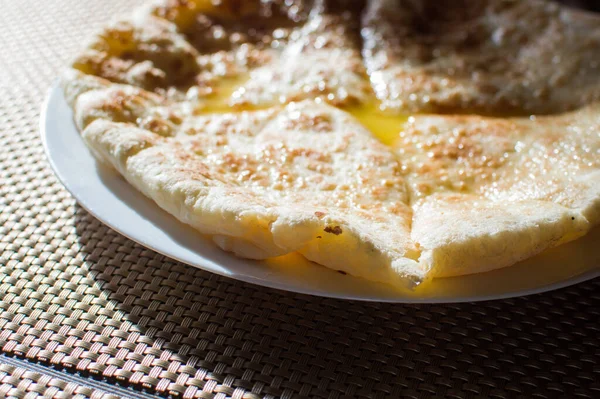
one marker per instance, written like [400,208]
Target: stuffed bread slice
[488,192]
[488,56]
[303,177]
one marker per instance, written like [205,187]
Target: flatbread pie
[487,56]
[259,124]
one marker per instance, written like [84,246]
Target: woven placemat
[78,299]
[19,382]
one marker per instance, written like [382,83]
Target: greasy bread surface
[304,177]
[488,192]
[487,56]
[236,129]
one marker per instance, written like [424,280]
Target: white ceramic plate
[107,196]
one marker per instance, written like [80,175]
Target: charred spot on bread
[337,230]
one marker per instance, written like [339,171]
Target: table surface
[86,312]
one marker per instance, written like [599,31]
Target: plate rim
[53,96]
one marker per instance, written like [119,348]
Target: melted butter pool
[385,126]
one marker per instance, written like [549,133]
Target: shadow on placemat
[171,327]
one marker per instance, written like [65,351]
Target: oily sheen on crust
[304,177]
[487,56]
[487,192]
[452,195]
